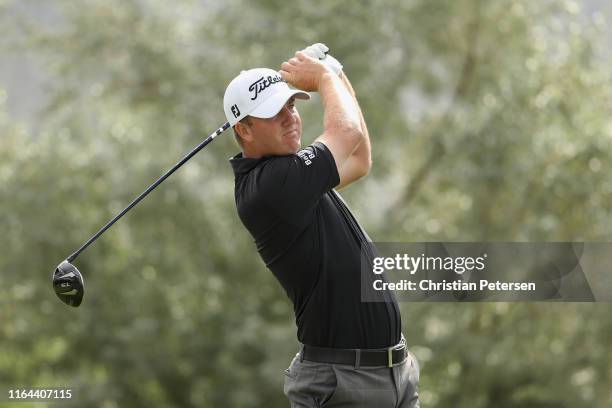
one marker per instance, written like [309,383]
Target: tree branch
[438,150]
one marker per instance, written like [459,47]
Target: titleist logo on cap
[262,83]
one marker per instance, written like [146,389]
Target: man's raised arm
[360,162]
[342,120]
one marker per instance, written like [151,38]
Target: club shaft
[149,189]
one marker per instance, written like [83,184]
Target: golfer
[352,353]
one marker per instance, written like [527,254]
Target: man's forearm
[364,150]
[340,107]
[342,117]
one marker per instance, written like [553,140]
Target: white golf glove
[320,52]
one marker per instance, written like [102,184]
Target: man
[353,353]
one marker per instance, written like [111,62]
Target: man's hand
[321,52]
[304,72]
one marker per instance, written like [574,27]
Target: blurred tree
[489,120]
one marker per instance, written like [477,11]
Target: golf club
[67,280]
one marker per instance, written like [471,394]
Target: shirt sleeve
[294,184]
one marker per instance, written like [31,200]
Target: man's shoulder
[258,179]
[281,178]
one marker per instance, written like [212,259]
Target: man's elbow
[353,135]
[366,166]
[363,159]
[362,166]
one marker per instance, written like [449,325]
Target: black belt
[386,357]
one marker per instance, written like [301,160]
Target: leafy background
[490,121]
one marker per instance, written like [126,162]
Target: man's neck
[248,154]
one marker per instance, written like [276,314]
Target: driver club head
[68,284]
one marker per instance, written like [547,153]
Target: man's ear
[244,132]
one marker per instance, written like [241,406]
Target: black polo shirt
[308,238]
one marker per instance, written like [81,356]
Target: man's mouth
[291,133]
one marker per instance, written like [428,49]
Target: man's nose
[287,115]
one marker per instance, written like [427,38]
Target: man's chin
[297,147]
[294,146]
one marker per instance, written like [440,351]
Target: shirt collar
[242,165]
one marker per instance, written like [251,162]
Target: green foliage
[489,121]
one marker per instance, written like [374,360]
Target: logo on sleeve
[306,155]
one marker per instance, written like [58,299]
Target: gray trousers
[309,384]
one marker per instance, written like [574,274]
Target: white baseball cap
[258,92]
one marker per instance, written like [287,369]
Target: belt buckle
[400,346]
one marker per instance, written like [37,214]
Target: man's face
[279,135]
